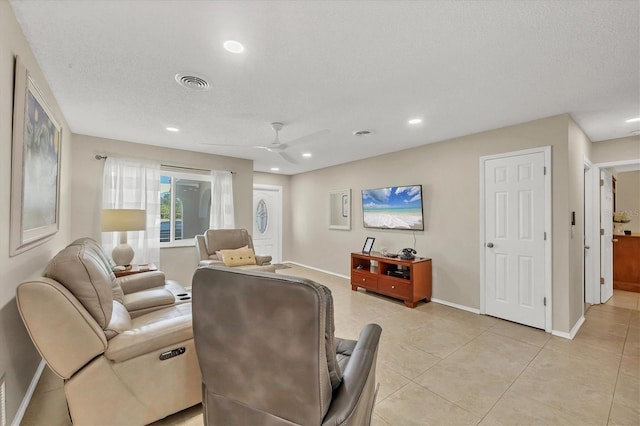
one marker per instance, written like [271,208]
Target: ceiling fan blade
[229,145]
[307,138]
[287,157]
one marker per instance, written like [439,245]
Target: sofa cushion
[239,257]
[81,269]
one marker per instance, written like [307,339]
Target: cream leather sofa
[127,356]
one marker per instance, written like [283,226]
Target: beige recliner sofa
[119,366]
[216,240]
[268,354]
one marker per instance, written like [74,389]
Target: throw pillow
[219,252]
[238,257]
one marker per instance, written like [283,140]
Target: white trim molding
[17,420]
[570,335]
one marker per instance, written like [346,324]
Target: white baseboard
[455,305]
[570,335]
[27,396]
[317,269]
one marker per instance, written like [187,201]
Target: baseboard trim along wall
[28,395]
[570,335]
[318,269]
[455,305]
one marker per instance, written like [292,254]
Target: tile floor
[440,365]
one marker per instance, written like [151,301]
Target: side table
[136,269]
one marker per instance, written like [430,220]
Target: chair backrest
[223,239]
[264,345]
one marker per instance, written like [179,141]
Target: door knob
[614,240]
[587,247]
[490,245]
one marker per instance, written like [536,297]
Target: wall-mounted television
[393,207]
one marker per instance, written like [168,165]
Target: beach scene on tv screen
[396,207]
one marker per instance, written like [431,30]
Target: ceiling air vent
[192,82]
[363,132]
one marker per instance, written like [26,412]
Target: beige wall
[449,174]
[178,263]
[621,149]
[628,198]
[579,151]
[18,357]
[284,182]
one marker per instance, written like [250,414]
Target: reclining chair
[117,368]
[268,355]
[215,241]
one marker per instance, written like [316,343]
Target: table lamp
[123,220]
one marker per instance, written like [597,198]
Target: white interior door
[267,221]
[514,251]
[606,235]
[591,258]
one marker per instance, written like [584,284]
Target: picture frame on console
[368,245]
[35,166]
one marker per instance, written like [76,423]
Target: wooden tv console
[407,280]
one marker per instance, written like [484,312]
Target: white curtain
[134,184]
[221,200]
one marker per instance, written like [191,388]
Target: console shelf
[407,280]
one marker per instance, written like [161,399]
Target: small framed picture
[368,245]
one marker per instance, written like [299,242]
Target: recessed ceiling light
[233,46]
[415,121]
[306,155]
[632,120]
[172,129]
[275,169]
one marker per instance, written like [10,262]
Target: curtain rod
[104,157]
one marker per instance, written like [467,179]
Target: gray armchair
[215,240]
[267,352]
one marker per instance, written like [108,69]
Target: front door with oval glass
[267,221]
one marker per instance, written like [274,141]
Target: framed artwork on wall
[35,166]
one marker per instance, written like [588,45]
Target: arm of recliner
[263,260]
[149,338]
[152,298]
[353,400]
[142,281]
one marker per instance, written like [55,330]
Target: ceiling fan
[279,147]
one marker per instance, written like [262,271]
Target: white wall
[18,357]
[178,263]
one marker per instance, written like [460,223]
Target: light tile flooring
[440,365]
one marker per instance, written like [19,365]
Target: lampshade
[123,220]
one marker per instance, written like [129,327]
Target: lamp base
[122,254]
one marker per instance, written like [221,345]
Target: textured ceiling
[337,66]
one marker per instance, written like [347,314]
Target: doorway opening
[597,265]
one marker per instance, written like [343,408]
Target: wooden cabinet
[626,262]
[407,280]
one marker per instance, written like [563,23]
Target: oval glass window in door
[262,216]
